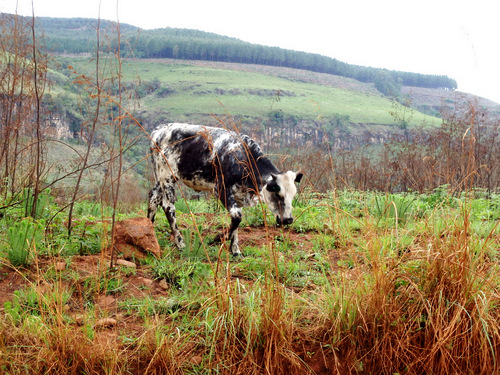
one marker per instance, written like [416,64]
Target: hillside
[78,35]
[432,101]
[265,100]
[425,100]
[75,35]
[261,100]
[309,104]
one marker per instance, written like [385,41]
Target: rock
[126,263]
[106,302]
[163,284]
[145,281]
[135,237]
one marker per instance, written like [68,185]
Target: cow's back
[200,156]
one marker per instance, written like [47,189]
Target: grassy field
[190,89]
[361,282]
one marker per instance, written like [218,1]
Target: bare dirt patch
[10,281]
[258,236]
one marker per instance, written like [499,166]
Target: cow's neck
[266,168]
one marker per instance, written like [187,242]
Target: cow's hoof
[237,255]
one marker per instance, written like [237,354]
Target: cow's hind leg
[235,213]
[169,208]
[165,196]
[168,205]
[155,198]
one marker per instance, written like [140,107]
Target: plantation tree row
[196,45]
[78,36]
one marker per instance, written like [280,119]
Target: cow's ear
[273,187]
[299,176]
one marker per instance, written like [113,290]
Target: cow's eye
[273,187]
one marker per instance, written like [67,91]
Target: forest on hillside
[197,45]
[78,35]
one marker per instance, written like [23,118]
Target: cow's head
[278,193]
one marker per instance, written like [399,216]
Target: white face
[279,193]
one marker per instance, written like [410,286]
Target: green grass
[343,282]
[205,90]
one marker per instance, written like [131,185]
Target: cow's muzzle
[286,221]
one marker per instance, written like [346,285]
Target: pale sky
[457,38]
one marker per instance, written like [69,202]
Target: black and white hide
[230,165]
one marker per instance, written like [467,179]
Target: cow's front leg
[168,205]
[228,200]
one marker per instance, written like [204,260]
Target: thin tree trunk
[90,139]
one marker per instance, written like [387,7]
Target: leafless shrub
[22,85]
[462,152]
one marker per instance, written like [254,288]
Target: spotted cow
[230,165]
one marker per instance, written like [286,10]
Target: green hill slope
[174,90]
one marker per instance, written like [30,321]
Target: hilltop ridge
[75,35]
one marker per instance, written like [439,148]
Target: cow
[230,165]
